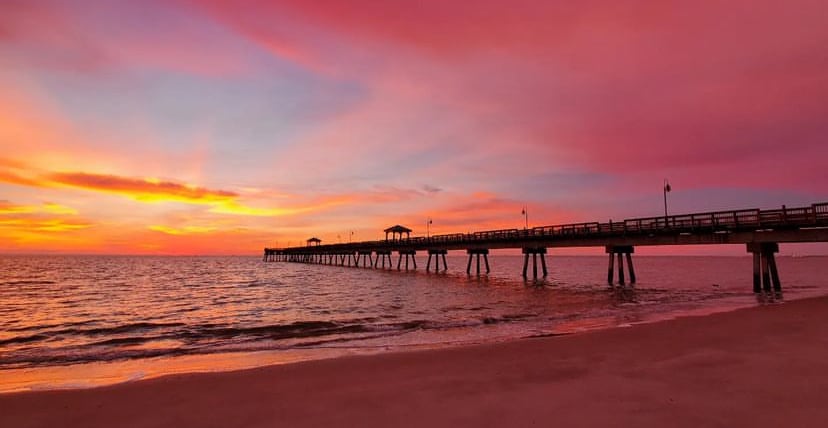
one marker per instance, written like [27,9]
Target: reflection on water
[75,314]
[769,297]
[624,294]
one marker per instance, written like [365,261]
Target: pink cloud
[615,87]
[102,37]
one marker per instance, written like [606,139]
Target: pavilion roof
[314,239]
[397,229]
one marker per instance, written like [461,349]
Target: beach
[761,366]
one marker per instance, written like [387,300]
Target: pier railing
[815,215]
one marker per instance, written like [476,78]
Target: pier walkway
[760,230]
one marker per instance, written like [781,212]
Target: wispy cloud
[186,230]
[7,207]
[144,190]
[154,191]
[38,224]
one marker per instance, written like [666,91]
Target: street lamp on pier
[525,213]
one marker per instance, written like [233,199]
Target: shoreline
[754,365]
[108,373]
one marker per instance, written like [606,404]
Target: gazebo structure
[396,232]
[313,241]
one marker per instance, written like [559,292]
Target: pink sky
[181,127]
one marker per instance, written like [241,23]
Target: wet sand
[758,367]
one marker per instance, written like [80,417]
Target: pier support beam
[408,254]
[619,251]
[365,258]
[437,253]
[385,255]
[535,252]
[764,261]
[472,252]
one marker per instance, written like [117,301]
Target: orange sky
[212,127]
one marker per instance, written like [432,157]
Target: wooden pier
[760,230]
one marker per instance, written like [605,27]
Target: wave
[27,282]
[75,356]
[24,339]
[120,329]
[132,341]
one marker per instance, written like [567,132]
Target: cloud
[38,224]
[186,230]
[54,208]
[43,224]
[144,190]
[154,191]
[431,189]
[618,88]
[7,207]
[67,37]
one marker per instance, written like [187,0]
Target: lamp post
[428,229]
[350,237]
[667,188]
[525,213]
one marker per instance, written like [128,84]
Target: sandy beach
[756,367]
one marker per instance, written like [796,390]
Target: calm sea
[77,321]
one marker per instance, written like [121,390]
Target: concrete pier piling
[477,252]
[618,252]
[385,256]
[436,253]
[765,274]
[535,252]
[409,255]
[364,257]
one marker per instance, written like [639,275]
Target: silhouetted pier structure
[760,230]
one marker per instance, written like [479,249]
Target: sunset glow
[218,127]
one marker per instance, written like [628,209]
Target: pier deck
[760,230]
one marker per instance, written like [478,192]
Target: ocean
[82,321]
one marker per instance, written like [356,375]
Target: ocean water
[78,321]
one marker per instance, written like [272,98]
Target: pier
[761,231]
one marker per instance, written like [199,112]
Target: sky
[221,127]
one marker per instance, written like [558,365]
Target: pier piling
[386,256]
[408,254]
[765,273]
[632,270]
[436,253]
[477,252]
[618,252]
[535,252]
